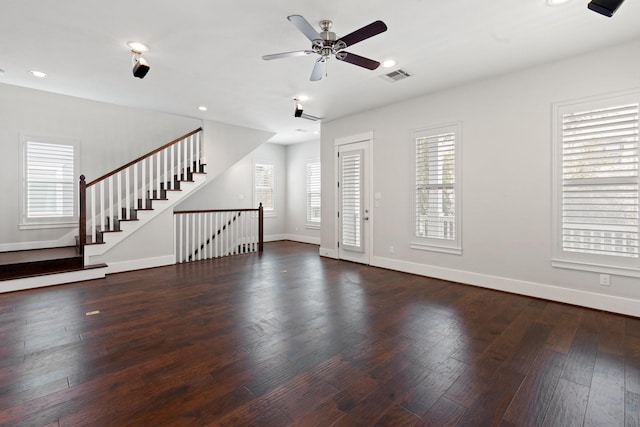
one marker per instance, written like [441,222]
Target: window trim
[311,224]
[596,263]
[267,212]
[26,223]
[453,247]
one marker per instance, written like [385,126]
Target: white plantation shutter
[49,181]
[351,163]
[264,186]
[435,179]
[599,189]
[313,192]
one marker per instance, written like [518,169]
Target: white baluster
[135,186]
[143,183]
[110,202]
[119,196]
[170,183]
[92,218]
[127,190]
[198,159]
[102,207]
[165,155]
[158,176]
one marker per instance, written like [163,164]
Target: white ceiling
[206,52]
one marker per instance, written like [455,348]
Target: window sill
[596,268]
[312,226]
[45,225]
[434,248]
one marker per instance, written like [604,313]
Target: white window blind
[264,186]
[599,189]
[351,199]
[313,192]
[49,181]
[435,186]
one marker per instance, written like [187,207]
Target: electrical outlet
[605,280]
[392,249]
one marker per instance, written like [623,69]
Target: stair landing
[36,262]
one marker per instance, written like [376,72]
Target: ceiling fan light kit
[326,44]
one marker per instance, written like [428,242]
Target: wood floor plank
[568,405]
[291,338]
[397,416]
[433,387]
[488,409]
[531,402]
[443,413]
[632,410]
[581,360]
[606,402]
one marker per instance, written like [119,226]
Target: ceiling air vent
[396,75]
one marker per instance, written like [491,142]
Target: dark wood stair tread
[27,263]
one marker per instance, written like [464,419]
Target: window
[313,193]
[596,185]
[264,181]
[437,189]
[49,185]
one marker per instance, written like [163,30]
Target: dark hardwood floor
[289,338]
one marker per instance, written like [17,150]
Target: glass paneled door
[354,211]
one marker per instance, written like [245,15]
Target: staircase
[116,205]
[111,209]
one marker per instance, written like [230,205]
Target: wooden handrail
[139,159]
[214,211]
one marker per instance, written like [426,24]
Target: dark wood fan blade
[287,54]
[319,70]
[364,33]
[304,26]
[358,60]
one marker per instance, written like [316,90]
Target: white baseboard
[329,253]
[140,264]
[302,239]
[25,246]
[274,237]
[51,279]
[615,304]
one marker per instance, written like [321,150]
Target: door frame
[368,188]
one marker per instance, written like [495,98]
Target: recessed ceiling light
[38,74]
[202,108]
[389,63]
[302,98]
[138,47]
[556,2]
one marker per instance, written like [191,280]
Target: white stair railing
[118,195]
[206,234]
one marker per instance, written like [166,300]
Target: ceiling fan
[326,44]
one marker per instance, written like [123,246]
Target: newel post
[82,226]
[260,228]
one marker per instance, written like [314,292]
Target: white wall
[233,188]
[109,135]
[298,155]
[506,178]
